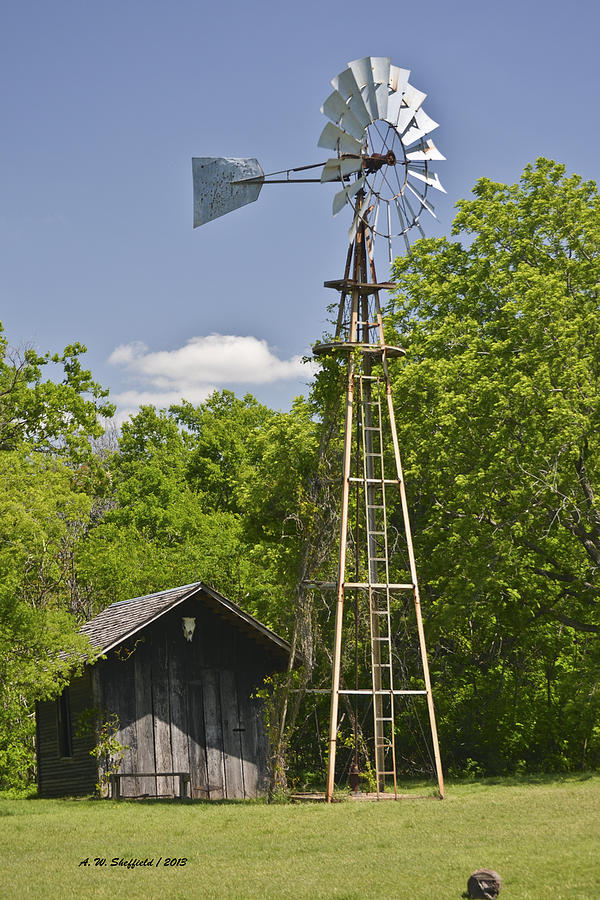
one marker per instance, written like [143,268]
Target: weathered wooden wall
[188,706]
[59,776]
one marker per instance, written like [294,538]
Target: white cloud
[194,371]
[222,358]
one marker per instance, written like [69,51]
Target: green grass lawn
[542,836]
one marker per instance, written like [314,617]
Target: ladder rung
[384,719]
[375,480]
[383,692]
[375,585]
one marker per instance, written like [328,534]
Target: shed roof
[121,620]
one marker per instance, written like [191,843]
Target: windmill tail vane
[383,159]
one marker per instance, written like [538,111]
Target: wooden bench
[184,781]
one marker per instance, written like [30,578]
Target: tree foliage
[499,402]
[48,479]
[41,518]
[49,415]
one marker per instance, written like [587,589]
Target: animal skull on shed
[188,624]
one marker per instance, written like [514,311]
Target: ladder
[374,488]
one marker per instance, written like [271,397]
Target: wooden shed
[180,671]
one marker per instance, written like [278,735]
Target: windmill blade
[415,216]
[382,94]
[413,98]
[338,169]
[345,195]
[407,203]
[389,231]
[345,84]
[357,105]
[333,138]
[425,151]
[381,77]
[359,216]
[363,74]
[406,115]
[222,185]
[423,125]
[335,108]
[397,84]
[395,104]
[372,74]
[404,226]
[422,199]
[411,103]
[429,178]
[375,221]
[398,79]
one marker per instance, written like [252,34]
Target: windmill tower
[378,131]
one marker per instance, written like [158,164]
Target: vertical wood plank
[214,735]
[162,715]
[119,694]
[197,740]
[195,719]
[145,761]
[249,738]
[247,741]
[232,748]
[177,696]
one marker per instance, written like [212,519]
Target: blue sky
[103,106]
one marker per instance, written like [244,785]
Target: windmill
[379,132]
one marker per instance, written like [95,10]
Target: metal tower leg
[339,608]
[417,598]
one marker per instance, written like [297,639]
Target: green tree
[499,404]
[50,415]
[221,427]
[156,530]
[210,493]
[41,516]
[49,476]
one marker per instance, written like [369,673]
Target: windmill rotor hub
[377,161]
